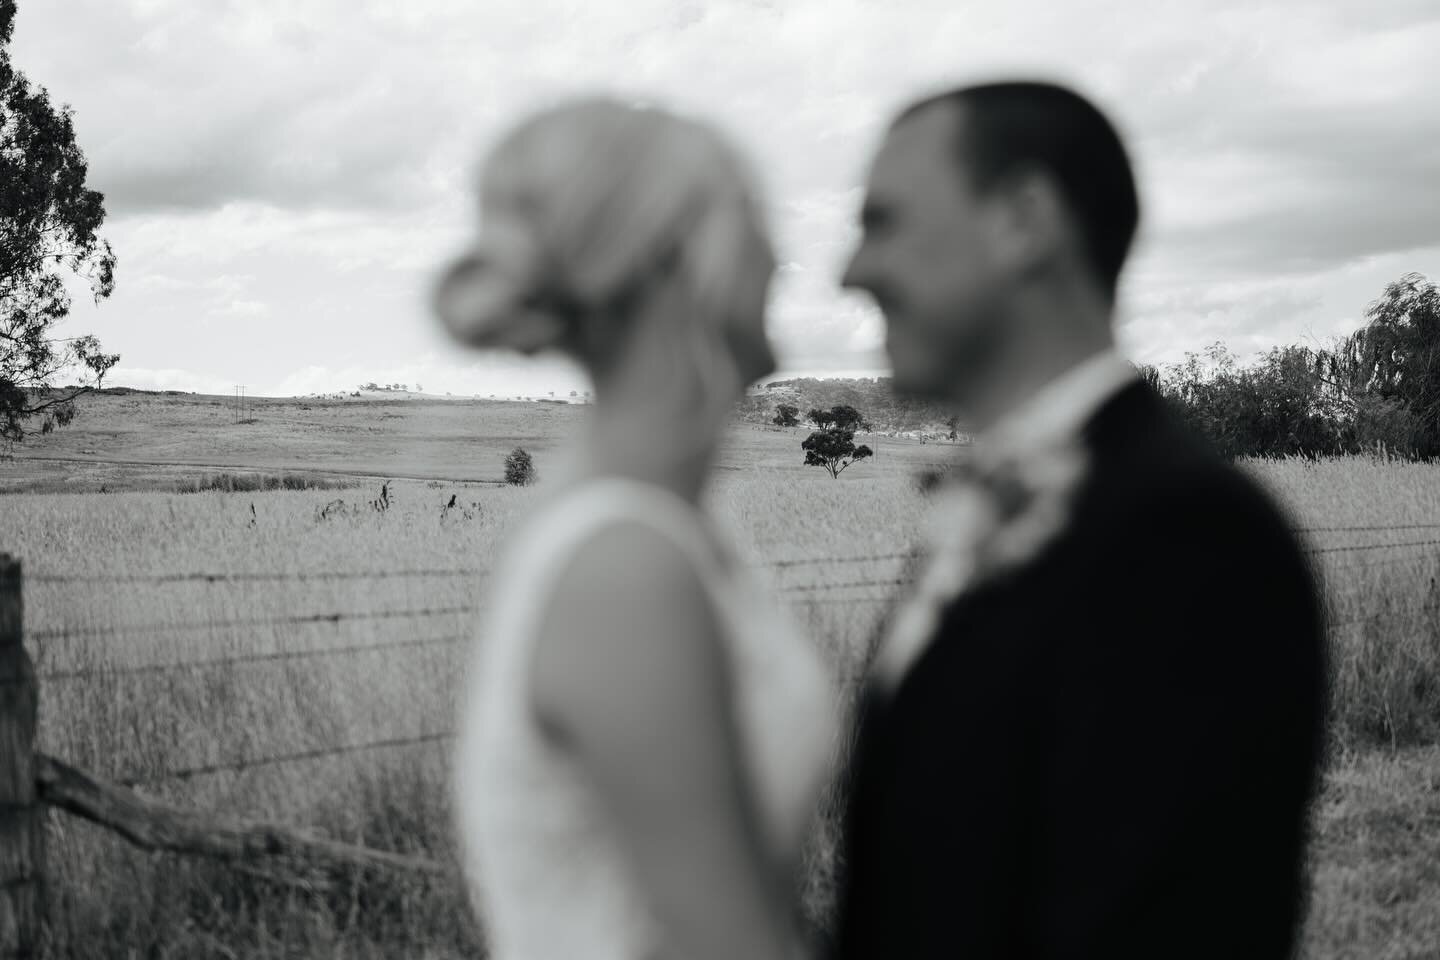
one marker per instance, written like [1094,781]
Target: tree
[785,415]
[834,449]
[1396,356]
[520,468]
[845,417]
[48,224]
[1279,405]
[821,418]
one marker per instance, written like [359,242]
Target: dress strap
[576,515]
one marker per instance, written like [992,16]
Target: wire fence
[1366,547]
[295,620]
[270,760]
[300,576]
[1372,527]
[337,617]
[1386,615]
[886,590]
[273,656]
[1364,563]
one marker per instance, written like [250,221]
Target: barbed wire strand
[265,577]
[300,576]
[1386,615]
[816,561]
[1385,561]
[338,617]
[178,666]
[814,587]
[1362,547]
[1376,527]
[235,766]
[272,576]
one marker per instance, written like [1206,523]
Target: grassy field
[350,628]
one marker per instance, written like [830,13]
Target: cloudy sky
[283,177]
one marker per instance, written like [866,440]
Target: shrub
[254,482]
[520,468]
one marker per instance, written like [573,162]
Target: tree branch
[31,411]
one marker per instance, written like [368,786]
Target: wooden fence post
[22,822]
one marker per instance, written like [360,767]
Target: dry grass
[1376,526]
[1376,884]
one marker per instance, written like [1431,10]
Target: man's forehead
[920,146]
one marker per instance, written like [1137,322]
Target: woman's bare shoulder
[629,620]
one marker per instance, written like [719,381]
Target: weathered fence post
[22,823]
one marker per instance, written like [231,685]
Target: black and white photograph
[720,479]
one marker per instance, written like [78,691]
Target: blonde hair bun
[579,204]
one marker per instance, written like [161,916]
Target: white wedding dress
[547,873]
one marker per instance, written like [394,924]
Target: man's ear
[1031,222]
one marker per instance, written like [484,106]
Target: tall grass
[1374,523]
[1386,655]
[252,482]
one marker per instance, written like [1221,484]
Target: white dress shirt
[1050,420]
[1061,408]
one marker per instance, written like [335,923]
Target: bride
[642,739]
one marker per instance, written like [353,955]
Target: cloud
[325,151]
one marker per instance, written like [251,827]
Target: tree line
[885,410]
[1376,389]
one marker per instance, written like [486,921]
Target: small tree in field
[834,449]
[520,468]
[786,415]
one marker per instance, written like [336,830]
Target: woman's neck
[644,441]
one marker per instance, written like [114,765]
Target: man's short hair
[1010,127]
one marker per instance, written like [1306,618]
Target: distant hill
[874,397]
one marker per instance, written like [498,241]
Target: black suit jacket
[1109,752]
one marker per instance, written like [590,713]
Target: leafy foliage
[1277,406]
[834,449]
[520,468]
[1378,387]
[1395,357]
[786,415]
[48,224]
[846,417]
[885,409]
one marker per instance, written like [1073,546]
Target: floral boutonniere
[1027,502]
[996,515]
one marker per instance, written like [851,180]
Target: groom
[1095,728]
